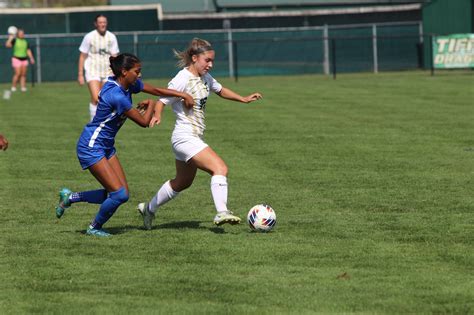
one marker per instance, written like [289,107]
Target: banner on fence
[453,51]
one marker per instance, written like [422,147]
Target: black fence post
[333,57]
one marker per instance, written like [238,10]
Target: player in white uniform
[190,150]
[95,50]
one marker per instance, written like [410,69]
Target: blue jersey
[114,101]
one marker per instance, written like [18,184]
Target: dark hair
[121,62]
[98,16]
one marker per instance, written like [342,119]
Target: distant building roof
[174,6]
[196,6]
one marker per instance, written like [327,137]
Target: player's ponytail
[196,46]
[121,62]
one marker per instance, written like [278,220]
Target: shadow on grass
[188,225]
[180,225]
[115,230]
[172,225]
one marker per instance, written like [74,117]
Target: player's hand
[252,97]
[155,120]
[143,105]
[32,61]
[188,100]
[80,79]
[141,110]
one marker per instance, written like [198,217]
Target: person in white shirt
[191,152]
[95,50]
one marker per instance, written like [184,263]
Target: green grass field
[371,177]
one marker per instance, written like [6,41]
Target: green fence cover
[242,52]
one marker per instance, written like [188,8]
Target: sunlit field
[371,178]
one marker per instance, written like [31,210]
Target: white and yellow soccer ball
[12,30]
[261,218]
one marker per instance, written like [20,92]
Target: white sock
[219,192]
[92,110]
[164,194]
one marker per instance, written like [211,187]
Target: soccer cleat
[147,216]
[226,217]
[97,232]
[64,202]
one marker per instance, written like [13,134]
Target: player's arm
[188,99]
[80,68]
[30,55]
[228,94]
[156,119]
[9,42]
[114,49]
[147,107]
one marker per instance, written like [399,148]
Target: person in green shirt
[21,54]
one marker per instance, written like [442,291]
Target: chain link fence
[244,52]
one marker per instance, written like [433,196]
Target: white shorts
[185,147]
[95,77]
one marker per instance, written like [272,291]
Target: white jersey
[98,49]
[191,121]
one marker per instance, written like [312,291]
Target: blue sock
[92,196]
[109,206]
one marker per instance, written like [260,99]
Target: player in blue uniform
[95,148]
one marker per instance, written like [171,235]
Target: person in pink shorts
[21,54]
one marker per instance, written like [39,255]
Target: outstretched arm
[188,100]
[231,95]
[148,106]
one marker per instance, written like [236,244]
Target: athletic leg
[185,174]
[117,166]
[23,70]
[208,160]
[184,178]
[16,77]
[94,89]
[67,198]
[105,173]
[98,196]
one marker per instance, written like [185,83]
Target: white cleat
[147,216]
[226,217]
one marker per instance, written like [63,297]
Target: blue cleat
[97,232]
[64,202]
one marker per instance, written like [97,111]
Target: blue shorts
[89,156]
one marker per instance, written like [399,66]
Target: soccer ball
[12,30]
[261,218]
